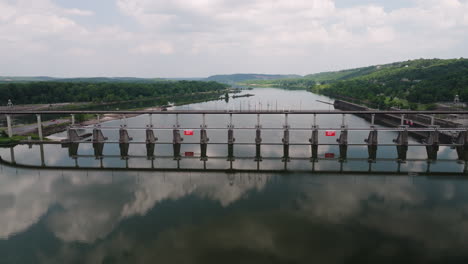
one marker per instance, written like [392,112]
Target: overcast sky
[197,38]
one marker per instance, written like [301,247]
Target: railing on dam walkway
[433,135]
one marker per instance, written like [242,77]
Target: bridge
[432,135]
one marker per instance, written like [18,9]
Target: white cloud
[298,33]
[154,48]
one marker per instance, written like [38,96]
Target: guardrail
[432,133]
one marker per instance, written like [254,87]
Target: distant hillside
[111,80]
[325,77]
[235,78]
[87,80]
[400,84]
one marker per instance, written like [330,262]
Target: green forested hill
[58,92]
[404,84]
[417,81]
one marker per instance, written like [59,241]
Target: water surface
[134,216]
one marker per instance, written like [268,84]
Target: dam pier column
[343,140]
[258,140]
[462,148]
[203,140]
[230,141]
[150,139]
[402,142]
[432,142]
[177,139]
[314,140]
[372,142]
[285,140]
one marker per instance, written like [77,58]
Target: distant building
[456,100]
[10,104]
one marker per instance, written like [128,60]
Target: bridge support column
[124,147]
[432,142]
[98,150]
[150,138]
[203,140]
[72,135]
[314,143]
[372,142]
[150,143]
[41,148]
[402,143]
[343,143]
[73,150]
[39,127]
[12,155]
[204,144]
[286,157]
[177,141]
[98,137]
[123,136]
[231,140]
[285,140]
[258,140]
[462,150]
[150,151]
[9,126]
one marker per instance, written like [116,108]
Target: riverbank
[60,124]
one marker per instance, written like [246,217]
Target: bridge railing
[433,135]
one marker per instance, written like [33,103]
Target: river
[145,216]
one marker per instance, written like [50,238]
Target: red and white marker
[330,133]
[188,132]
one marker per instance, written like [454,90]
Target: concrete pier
[177,140]
[150,137]
[124,148]
[123,136]
[314,142]
[39,127]
[462,150]
[9,126]
[98,150]
[150,151]
[41,149]
[204,144]
[372,143]
[73,150]
[98,137]
[433,144]
[72,135]
[343,142]
[285,141]
[402,139]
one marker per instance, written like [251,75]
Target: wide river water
[386,211]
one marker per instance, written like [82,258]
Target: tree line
[408,84]
[59,92]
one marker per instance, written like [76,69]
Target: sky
[199,38]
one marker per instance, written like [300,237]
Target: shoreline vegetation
[180,93]
[414,84]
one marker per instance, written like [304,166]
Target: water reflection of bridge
[228,164]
